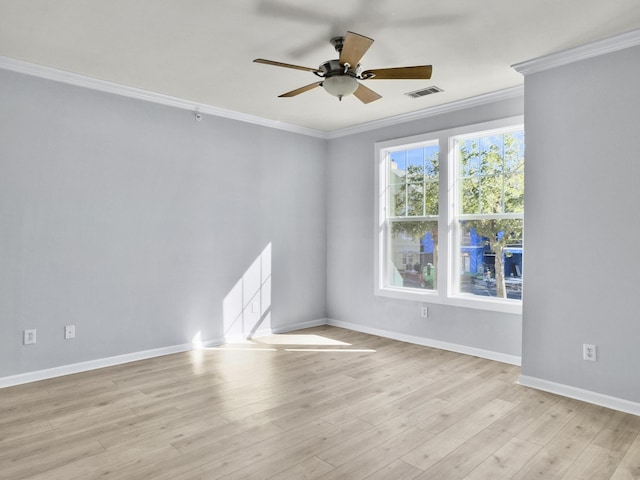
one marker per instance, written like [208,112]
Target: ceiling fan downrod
[338,43]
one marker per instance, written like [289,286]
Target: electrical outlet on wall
[29,337]
[69,332]
[424,311]
[589,352]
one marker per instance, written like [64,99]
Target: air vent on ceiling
[424,91]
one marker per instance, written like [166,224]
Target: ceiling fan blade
[286,65]
[365,94]
[421,72]
[354,47]
[300,90]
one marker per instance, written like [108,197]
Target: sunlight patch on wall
[197,341]
[246,309]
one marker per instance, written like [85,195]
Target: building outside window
[452,231]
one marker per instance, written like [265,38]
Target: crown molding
[84,81]
[507,93]
[78,80]
[590,50]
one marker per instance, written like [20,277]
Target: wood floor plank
[629,466]
[353,447]
[464,459]
[556,458]
[40,461]
[550,422]
[463,408]
[594,463]
[505,462]
[309,469]
[397,470]
[403,404]
[318,404]
[446,442]
[124,463]
[359,467]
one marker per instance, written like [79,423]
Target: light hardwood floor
[322,403]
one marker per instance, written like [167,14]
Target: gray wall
[582,266]
[134,222]
[350,245]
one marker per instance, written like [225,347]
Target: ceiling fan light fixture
[340,85]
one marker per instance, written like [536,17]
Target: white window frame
[447,221]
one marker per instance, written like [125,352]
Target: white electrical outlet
[589,352]
[424,312]
[69,332]
[29,336]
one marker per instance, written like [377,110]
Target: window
[413,216]
[452,233]
[489,211]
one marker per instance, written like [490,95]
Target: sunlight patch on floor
[302,339]
[291,343]
[341,350]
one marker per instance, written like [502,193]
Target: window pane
[514,193]
[431,162]
[415,162]
[398,200]
[431,197]
[397,168]
[413,254]
[413,182]
[482,194]
[415,199]
[491,173]
[491,258]
[491,195]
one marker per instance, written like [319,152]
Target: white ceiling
[202,50]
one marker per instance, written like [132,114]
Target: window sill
[464,301]
[482,303]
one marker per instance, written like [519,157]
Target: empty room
[286,240]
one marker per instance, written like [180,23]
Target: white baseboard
[301,325]
[99,363]
[428,342]
[580,394]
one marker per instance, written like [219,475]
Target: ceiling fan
[340,77]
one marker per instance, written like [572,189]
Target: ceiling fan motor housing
[338,80]
[333,67]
